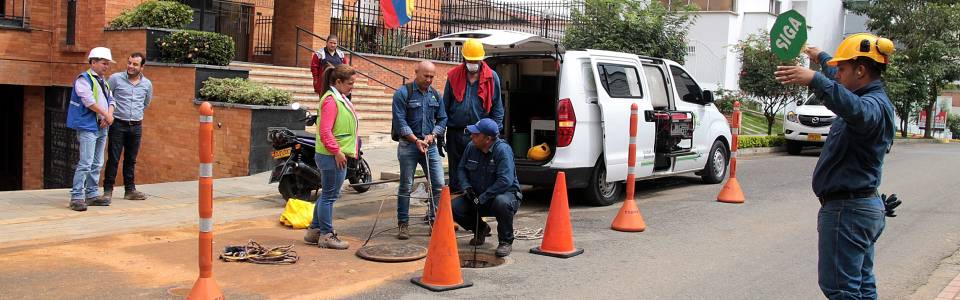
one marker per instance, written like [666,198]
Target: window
[658,86]
[621,81]
[687,89]
[774,7]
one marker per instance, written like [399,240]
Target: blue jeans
[332,179]
[410,157]
[503,207]
[86,178]
[848,231]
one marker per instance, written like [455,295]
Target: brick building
[43,46]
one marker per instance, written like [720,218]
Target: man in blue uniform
[472,93]
[848,173]
[490,186]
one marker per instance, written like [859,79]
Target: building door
[60,148]
[11,132]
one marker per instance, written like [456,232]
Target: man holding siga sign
[848,172]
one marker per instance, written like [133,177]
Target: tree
[758,63]
[928,38]
[631,26]
[906,90]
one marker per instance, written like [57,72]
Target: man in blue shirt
[133,93]
[490,187]
[472,92]
[848,173]
[419,118]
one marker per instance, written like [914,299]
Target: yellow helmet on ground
[472,50]
[539,152]
[865,45]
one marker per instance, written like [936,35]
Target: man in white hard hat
[90,114]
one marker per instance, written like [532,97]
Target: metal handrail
[352,55]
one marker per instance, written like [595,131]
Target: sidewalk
[28,216]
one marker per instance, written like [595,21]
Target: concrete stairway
[372,101]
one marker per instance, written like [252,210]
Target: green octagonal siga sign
[788,35]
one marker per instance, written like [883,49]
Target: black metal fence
[359,25]
[232,18]
[263,31]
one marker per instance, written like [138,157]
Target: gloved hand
[890,204]
[471,195]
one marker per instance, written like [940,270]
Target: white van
[806,123]
[578,102]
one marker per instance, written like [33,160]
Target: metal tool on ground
[528,234]
[253,252]
[558,234]
[381,181]
[477,232]
[629,218]
[731,192]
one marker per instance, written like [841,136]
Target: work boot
[78,204]
[312,236]
[479,239]
[107,194]
[404,233]
[332,241]
[97,201]
[504,249]
[134,195]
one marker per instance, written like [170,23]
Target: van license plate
[278,154]
[815,137]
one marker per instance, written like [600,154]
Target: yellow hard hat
[863,44]
[539,152]
[472,50]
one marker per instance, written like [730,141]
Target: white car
[806,123]
[578,102]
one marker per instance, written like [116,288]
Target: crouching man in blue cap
[490,187]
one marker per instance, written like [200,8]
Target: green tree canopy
[758,63]
[631,26]
[927,33]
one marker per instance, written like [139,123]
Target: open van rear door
[619,78]
[494,42]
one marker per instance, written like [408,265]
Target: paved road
[696,248]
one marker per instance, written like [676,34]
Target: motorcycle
[295,168]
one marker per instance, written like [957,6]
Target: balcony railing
[13,13]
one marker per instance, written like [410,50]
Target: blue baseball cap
[485,126]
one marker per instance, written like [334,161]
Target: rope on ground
[525,233]
[253,252]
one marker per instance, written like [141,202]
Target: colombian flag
[396,12]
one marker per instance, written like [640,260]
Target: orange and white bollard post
[206,287]
[731,192]
[629,218]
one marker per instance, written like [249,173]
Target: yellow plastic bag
[298,214]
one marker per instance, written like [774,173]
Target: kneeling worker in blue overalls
[490,187]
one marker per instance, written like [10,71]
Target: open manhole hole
[482,260]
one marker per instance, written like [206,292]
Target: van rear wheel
[599,192]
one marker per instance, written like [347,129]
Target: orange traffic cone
[558,234]
[629,218]
[442,269]
[731,192]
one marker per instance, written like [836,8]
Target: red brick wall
[169,150]
[312,15]
[33,137]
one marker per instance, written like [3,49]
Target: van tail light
[566,122]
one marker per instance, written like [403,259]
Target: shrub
[759,141]
[242,91]
[725,99]
[196,47]
[153,13]
[953,123]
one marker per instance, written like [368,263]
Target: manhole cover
[482,260]
[392,252]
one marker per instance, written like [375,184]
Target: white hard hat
[100,52]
